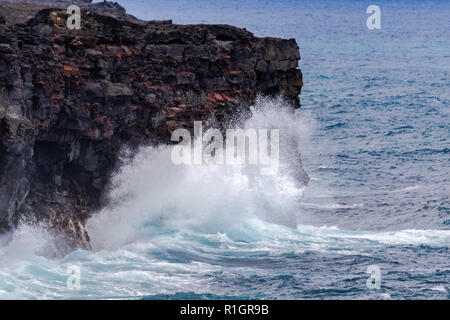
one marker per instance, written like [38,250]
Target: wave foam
[149,190]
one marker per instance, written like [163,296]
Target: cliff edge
[71,99]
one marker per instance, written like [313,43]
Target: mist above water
[150,190]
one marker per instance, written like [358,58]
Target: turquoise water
[374,135]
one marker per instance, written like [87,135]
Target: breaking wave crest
[150,190]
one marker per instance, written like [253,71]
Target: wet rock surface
[70,100]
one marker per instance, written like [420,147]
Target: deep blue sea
[373,131]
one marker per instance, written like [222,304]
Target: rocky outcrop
[71,99]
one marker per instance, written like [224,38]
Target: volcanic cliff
[71,99]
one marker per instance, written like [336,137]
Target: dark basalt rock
[71,99]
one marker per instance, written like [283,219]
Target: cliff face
[70,100]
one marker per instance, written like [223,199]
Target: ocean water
[373,131]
